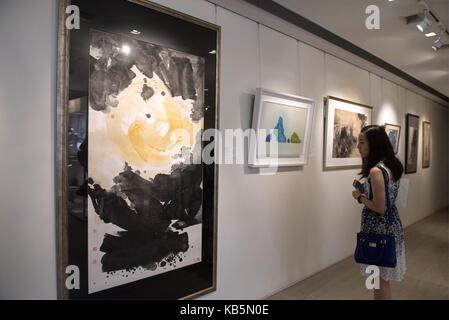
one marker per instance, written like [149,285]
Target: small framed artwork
[394,133]
[282,124]
[426,135]
[411,143]
[344,121]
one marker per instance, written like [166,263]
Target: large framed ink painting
[137,88]
[344,121]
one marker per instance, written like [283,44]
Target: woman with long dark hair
[380,166]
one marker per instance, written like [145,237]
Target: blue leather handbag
[377,249]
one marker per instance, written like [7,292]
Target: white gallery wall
[27,137]
[273,230]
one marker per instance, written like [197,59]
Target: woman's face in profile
[363,145]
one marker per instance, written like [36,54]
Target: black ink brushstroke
[198,106]
[147,92]
[137,249]
[147,238]
[111,73]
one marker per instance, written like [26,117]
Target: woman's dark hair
[380,149]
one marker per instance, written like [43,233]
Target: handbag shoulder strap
[387,193]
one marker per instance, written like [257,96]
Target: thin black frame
[407,128]
[424,138]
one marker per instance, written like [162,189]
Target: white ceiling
[399,44]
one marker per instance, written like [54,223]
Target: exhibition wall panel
[200,9]
[317,222]
[239,79]
[278,61]
[27,163]
[346,81]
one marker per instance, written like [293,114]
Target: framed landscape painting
[136,205]
[282,125]
[426,142]
[344,121]
[394,133]
[411,143]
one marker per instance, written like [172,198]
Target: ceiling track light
[441,42]
[439,46]
[424,23]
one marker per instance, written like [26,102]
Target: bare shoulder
[376,173]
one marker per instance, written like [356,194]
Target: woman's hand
[355,194]
[378,202]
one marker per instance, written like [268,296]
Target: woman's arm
[378,203]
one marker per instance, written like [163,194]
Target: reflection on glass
[77,157]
